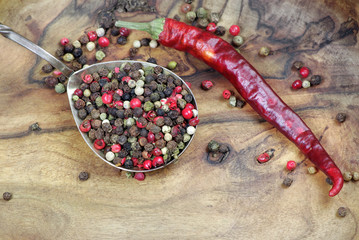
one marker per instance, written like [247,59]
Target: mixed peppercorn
[139,116]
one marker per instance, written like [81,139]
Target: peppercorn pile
[139,117]
[304,73]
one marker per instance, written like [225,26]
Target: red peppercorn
[189,106]
[304,72]
[156,119]
[126,79]
[151,115]
[150,137]
[178,89]
[88,78]
[234,30]
[106,98]
[264,157]
[116,148]
[118,104]
[123,160]
[124,31]
[140,166]
[135,102]
[119,92]
[211,27]
[85,126]
[135,161]
[103,42]
[78,92]
[185,8]
[92,36]
[297,84]
[173,105]
[187,113]
[206,84]
[158,161]
[99,144]
[64,41]
[156,151]
[194,121]
[139,176]
[226,94]
[147,164]
[57,73]
[140,125]
[291,165]
[189,84]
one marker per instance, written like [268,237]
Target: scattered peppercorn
[172,65]
[297,84]
[237,41]
[191,16]
[60,88]
[297,65]
[347,176]
[342,212]
[312,170]
[305,84]
[83,176]
[220,31]
[206,85]
[355,176]
[213,17]
[7,196]
[47,68]
[287,182]
[304,72]
[315,80]
[291,165]
[341,117]
[234,30]
[264,51]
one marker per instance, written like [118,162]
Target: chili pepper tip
[338,182]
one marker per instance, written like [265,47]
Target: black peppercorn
[84,86]
[136,66]
[59,52]
[223,148]
[126,97]
[297,65]
[115,31]
[134,132]
[136,154]
[79,104]
[220,31]
[143,141]
[143,132]
[51,81]
[158,70]
[82,60]
[128,113]
[76,65]
[240,103]
[161,143]
[341,117]
[155,97]
[62,78]
[145,41]
[342,212]
[47,68]
[7,196]
[96,123]
[287,182]
[152,60]
[128,164]
[147,92]
[315,80]
[84,39]
[83,176]
[168,91]
[137,112]
[127,146]
[149,147]
[69,48]
[168,121]
[123,153]
[77,52]
[160,112]
[173,114]
[179,138]
[99,134]
[82,113]
[133,52]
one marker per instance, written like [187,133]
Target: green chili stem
[154,27]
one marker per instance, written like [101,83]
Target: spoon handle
[10,34]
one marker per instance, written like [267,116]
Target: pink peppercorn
[291,165]
[234,30]
[147,164]
[92,36]
[64,41]
[88,78]
[304,72]
[116,148]
[226,94]
[206,84]
[106,98]
[135,102]
[211,27]
[124,31]
[78,92]
[139,175]
[187,113]
[158,161]
[297,84]
[103,42]
[264,157]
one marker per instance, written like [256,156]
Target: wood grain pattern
[194,198]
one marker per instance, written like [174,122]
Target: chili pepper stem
[154,27]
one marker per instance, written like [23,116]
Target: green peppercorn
[232,101]
[75,98]
[98,102]
[347,176]
[181,145]
[103,116]
[312,170]
[130,174]
[60,88]
[172,65]
[213,146]
[202,22]
[201,13]
[355,176]
[148,106]
[237,41]
[129,122]
[191,16]
[213,17]
[100,55]
[165,157]
[68,57]
[186,137]
[264,51]
[176,152]
[87,93]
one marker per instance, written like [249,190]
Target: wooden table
[194,198]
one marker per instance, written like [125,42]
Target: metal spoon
[75,79]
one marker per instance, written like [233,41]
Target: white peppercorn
[139,91]
[90,46]
[166,129]
[306,84]
[191,130]
[100,32]
[168,137]
[153,44]
[126,104]
[136,44]
[110,156]
[131,83]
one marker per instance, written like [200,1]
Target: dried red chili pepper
[221,56]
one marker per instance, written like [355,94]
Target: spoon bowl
[75,79]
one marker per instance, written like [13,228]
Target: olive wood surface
[196,198]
